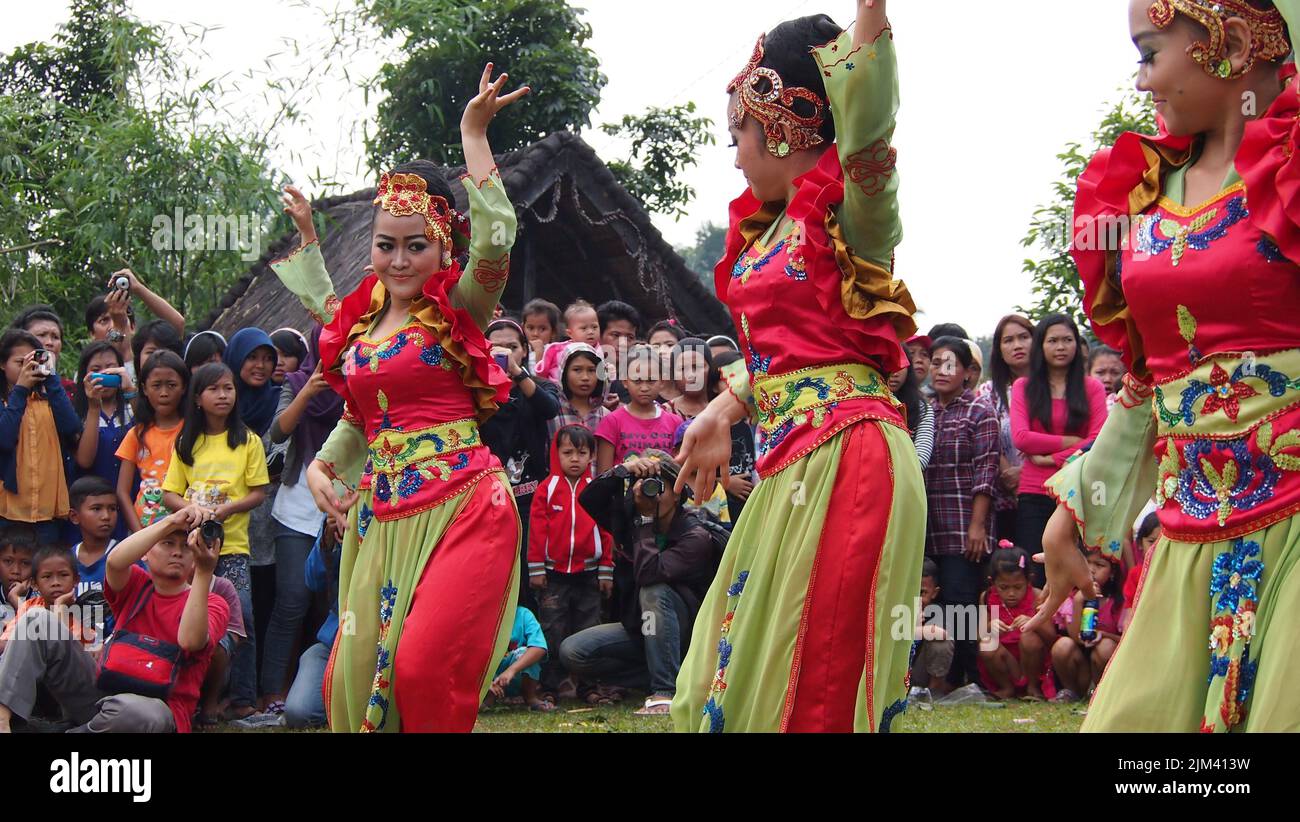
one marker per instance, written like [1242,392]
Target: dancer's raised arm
[861,75]
[492,217]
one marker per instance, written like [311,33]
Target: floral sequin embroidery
[713,707]
[747,265]
[1269,250]
[377,705]
[758,365]
[1242,482]
[1234,591]
[1196,235]
[370,356]
[364,518]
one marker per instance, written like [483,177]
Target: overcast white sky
[990,93]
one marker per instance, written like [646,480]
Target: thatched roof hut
[581,235]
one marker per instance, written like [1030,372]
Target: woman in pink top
[1055,411]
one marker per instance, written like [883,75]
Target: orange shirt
[151,460]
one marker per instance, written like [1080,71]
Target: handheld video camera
[212,532]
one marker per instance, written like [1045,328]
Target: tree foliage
[103,133]
[710,241]
[434,72]
[1054,277]
[664,142]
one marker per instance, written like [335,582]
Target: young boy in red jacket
[570,559]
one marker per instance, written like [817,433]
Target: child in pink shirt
[640,424]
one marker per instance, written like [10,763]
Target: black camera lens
[652,487]
[212,531]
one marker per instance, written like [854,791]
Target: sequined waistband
[392,452]
[1228,395]
[808,395]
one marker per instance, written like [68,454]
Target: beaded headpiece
[763,95]
[405,194]
[1267,31]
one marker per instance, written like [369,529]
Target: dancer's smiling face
[402,257]
[1189,99]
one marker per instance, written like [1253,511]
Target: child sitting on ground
[54,576]
[520,670]
[1144,543]
[17,543]
[1080,662]
[934,648]
[1015,664]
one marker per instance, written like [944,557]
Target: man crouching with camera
[662,570]
[146,678]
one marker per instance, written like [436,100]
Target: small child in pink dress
[1018,665]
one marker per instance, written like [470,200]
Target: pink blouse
[1031,438]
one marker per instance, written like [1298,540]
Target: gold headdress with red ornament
[403,194]
[763,95]
[1268,40]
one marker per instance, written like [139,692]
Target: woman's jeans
[292,599]
[243,667]
[305,704]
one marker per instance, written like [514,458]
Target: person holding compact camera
[662,570]
[37,422]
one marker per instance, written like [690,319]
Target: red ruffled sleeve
[1267,164]
[844,282]
[1119,183]
[460,337]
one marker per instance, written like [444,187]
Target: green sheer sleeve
[492,225]
[1290,10]
[862,87]
[736,377]
[1106,487]
[345,450]
[303,272]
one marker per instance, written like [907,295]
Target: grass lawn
[1016,717]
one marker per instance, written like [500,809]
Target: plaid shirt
[570,416]
[964,463]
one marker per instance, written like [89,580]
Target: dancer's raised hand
[299,210]
[871,19]
[485,105]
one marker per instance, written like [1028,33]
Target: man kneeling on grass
[158,605]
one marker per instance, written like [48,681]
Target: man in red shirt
[159,603]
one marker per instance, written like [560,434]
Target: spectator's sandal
[655,706]
[206,722]
[599,700]
[1065,695]
[542,706]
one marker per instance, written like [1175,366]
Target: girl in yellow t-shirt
[219,466]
